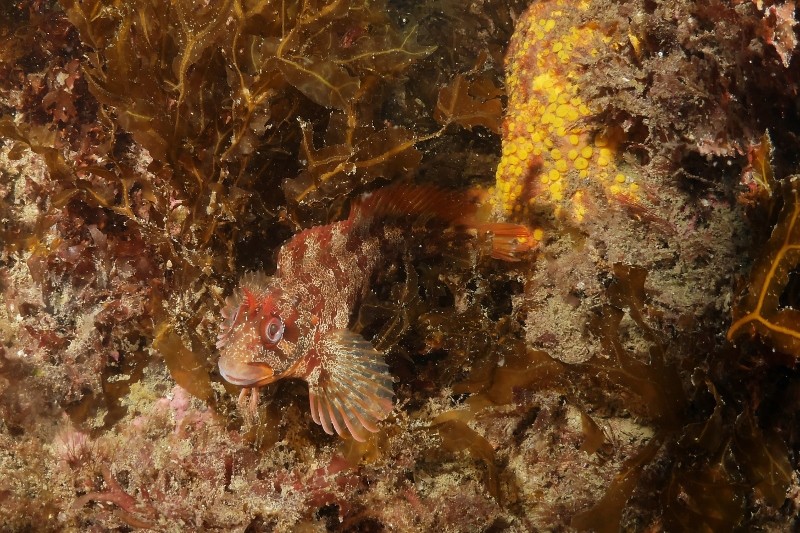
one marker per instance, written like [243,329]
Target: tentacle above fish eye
[233,313]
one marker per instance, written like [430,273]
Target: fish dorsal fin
[416,204]
[353,390]
[413,204]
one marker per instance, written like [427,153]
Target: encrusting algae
[555,159]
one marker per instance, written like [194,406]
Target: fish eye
[272,330]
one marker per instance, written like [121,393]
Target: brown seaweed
[760,311]
[763,457]
[656,386]
[469,102]
[606,514]
[457,436]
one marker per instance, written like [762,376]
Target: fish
[295,323]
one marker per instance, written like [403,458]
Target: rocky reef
[636,371]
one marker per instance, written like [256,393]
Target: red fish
[295,323]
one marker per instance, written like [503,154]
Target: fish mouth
[246,374]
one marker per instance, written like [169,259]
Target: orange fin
[353,390]
[508,241]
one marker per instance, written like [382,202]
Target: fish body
[295,323]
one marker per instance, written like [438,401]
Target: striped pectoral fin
[353,390]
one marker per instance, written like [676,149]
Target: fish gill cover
[153,152]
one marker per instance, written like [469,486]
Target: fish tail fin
[507,241]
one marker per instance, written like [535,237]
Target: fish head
[258,336]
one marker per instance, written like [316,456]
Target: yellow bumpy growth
[554,158]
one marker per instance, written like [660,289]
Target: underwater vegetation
[767,307]
[638,371]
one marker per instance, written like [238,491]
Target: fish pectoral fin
[352,391]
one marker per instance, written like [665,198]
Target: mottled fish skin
[294,323]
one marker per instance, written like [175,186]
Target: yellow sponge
[552,151]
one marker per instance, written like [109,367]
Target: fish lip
[246,374]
